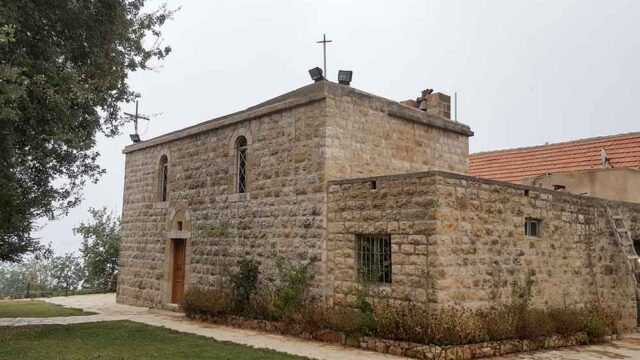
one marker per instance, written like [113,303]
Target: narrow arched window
[242,150]
[164,178]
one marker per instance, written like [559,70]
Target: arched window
[241,151]
[164,178]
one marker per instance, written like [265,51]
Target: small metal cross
[324,42]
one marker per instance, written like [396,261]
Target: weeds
[291,304]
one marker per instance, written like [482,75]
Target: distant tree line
[94,269]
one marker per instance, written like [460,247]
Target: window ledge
[237,197]
[178,234]
[161,205]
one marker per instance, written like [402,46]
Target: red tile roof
[514,165]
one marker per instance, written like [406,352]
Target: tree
[66,272]
[63,73]
[99,249]
[27,278]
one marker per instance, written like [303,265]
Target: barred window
[164,177]
[532,227]
[241,149]
[374,258]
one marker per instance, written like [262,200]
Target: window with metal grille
[241,146]
[532,227]
[164,178]
[374,258]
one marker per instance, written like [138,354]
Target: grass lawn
[119,340]
[35,309]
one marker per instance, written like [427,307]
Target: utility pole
[324,42]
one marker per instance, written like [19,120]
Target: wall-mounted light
[316,74]
[345,76]
[135,138]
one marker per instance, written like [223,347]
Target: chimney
[436,104]
[439,104]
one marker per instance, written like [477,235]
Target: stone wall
[371,136]
[461,239]
[281,215]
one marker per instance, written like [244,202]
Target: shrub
[206,304]
[457,325]
[426,324]
[532,324]
[499,322]
[262,306]
[244,284]
[595,328]
[606,317]
[316,316]
[290,295]
[567,321]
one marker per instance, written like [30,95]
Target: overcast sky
[526,72]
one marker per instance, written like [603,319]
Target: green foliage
[391,319]
[66,273]
[290,295]
[244,283]
[521,293]
[63,75]
[100,249]
[596,328]
[204,304]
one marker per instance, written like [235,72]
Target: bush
[499,322]
[596,328]
[317,316]
[206,304]
[533,324]
[608,316]
[394,320]
[426,324]
[567,321]
[290,295]
[244,284]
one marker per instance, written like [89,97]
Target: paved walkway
[107,309]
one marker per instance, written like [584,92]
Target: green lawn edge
[36,309]
[122,339]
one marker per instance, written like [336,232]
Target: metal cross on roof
[324,42]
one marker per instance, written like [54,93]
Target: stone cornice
[306,95]
[225,121]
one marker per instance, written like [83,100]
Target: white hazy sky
[527,72]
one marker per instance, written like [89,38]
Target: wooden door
[177,291]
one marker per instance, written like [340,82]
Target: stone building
[360,186]
[604,166]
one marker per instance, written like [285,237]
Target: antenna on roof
[455,106]
[135,137]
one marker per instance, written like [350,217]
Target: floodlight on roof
[345,76]
[135,138]
[316,74]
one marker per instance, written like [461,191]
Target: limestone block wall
[461,239]
[371,136]
[281,215]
